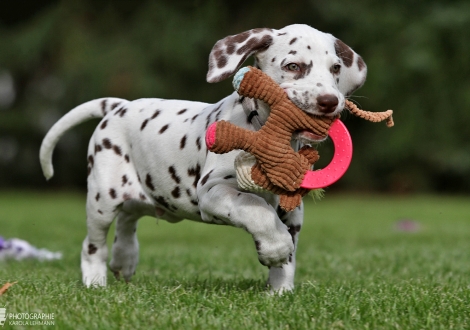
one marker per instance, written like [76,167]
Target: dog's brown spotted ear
[228,54]
[353,71]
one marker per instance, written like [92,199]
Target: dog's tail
[86,111]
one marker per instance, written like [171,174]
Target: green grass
[355,270]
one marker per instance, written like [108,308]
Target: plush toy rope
[374,117]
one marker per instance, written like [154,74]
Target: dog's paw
[94,276]
[279,291]
[124,269]
[124,261]
[275,249]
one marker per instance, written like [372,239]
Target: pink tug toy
[342,142]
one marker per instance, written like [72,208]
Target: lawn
[355,269]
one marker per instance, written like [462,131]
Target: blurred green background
[55,55]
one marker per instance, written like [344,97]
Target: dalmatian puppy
[148,156]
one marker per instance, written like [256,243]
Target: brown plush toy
[278,168]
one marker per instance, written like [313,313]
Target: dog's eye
[336,68]
[293,67]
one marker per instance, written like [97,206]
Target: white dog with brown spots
[148,156]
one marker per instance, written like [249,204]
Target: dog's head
[316,70]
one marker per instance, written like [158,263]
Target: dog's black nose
[327,103]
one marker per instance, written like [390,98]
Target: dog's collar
[250,106]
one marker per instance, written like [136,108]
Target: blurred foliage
[55,55]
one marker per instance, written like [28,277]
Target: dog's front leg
[222,201]
[282,278]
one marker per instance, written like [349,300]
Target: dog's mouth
[308,137]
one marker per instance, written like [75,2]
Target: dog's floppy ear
[228,54]
[353,71]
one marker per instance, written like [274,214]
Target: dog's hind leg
[94,249]
[125,251]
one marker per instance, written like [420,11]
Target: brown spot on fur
[181,111]
[176,192]
[126,157]
[91,160]
[231,49]
[198,143]
[156,113]
[163,129]
[175,177]
[149,183]
[238,38]
[97,197]
[344,52]
[196,172]
[124,180]
[144,124]
[205,178]
[304,71]
[221,61]
[161,200]
[118,111]
[360,63]
[254,44]
[103,125]
[217,115]
[92,249]
[103,106]
[117,150]
[114,105]
[112,193]
[107,144]
[183,142]
[293,230]
[97,148]
[292,41]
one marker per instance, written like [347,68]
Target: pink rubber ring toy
[339,164]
